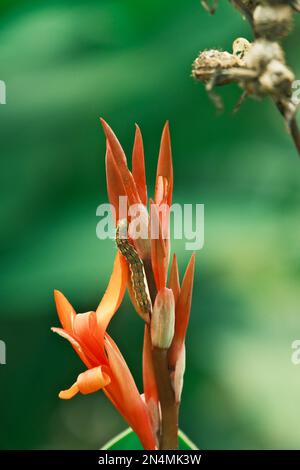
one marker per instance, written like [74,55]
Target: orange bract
[143,268]
[107,368]
[121,181]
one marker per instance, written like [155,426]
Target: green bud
[163,319]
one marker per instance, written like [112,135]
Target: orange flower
[106,367]
[122,182]
[155,252]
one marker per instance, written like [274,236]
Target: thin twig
[292,126]
[295,133]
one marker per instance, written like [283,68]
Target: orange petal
[149,382]
[66,312]
[159,252]
[179,373]
[115,187]
[70,393]
[120,371]
[114,293]
[150,388]
[182,314]
[121,164]
[89,381]
[126,397]
[93,380]
[164,169]
[138,165]
[87,361]
[174,283]
[87,332]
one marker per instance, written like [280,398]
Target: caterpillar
[136,267]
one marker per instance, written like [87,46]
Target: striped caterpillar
[136,266]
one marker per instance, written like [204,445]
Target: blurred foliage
[66,63]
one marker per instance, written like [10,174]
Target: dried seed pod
[273,22]
[277,80]
[259,70]
[262,52]
[246,7]
[293,3]
[241,47]
[213,58]
[250,4]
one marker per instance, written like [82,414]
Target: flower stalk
[168,438]
[141,266]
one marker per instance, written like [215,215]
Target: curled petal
[138,165]
[66,312]
[86,332]
[69,393]
[89,381]
[114,293]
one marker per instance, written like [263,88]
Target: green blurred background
[66,63]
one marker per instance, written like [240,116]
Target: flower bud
[163,319]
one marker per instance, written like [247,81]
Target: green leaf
[128,440]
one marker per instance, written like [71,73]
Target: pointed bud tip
[57,294]
[105,126]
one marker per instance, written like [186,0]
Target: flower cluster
[141,265]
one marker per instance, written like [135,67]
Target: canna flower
[106,367]
[154,251]
[147,259]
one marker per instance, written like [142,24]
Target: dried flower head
[259,67]
[273,22]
